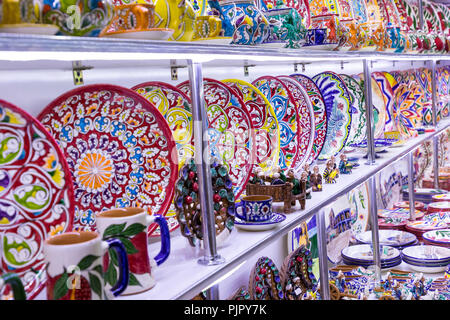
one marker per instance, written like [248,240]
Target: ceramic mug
[13,280]
[130,226]
[207,27]
[131,17]
[316,37]
[18,11]
[74,266]
[256,208]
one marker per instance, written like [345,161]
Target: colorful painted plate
[338,110]
[119,149]
[149,34]
[358,130]
[394,238]
[260,226]
[400,212]
[231,132]
[306,114]
[438,236]
[175,106]
[359,208]
[359,11]
[288,118]
[364,253]
[36,196]
[409,119]
[320,116]
[441,197]
[388,98]
[426,253]
[264,120]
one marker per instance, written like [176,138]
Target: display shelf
[79,48]
[181,277]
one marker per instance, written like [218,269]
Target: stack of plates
[426,258]
[437,238]
[441,197]
[362,255]
[398,213]
[394,238]
[443,206]
[405,205]
[418,228]
[424,195]
[438,217]
[392,223]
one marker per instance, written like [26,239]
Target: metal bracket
[246,68]
[302,64]
[77,72]
[174,69]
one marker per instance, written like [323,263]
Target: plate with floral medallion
[358,130]
[175,106]
[408,117]
[119,148]
[306,118]
[423,78]
[288,118]
[230,130]
[264,120]
[320,116]
[338,110]
[36,197]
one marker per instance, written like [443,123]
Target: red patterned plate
[320,115]
[36,196]
[119,149]
[231,132]
[306,118]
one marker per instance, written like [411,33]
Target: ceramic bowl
[393,238]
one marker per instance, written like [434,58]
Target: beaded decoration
[296,274]
[265,282]
[240,294]
[187,202]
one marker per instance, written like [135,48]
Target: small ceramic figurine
[316,179]
[296,189]
[331,173]
[307,185]
[345,167]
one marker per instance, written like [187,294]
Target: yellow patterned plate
[264,120]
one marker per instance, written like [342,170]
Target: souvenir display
[187,203]
[316,179]
[394,238]
[119,149]
[419,227]
[285,28]
[330,174]
[265,281]
[337,103]
[37,196]
[359,202]
[231,132]
[437,238]
[362,255]
[426,258]
[345,167]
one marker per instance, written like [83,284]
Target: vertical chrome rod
[373,212]
[421,25]
[412,205]
[434,108]
[323,255]
[369,113]
[213,293]
[202,161]
[436,162]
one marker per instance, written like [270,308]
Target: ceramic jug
[286,28]
[178,15]
[241,20]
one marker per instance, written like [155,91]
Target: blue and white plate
[260,226]
[394,238]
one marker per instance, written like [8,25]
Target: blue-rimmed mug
[316,37]
[256,208]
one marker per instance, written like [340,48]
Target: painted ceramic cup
[257,208]
[207,27]
[178,15]
[316,37]
[18,11]
[130,225]
[85,20]
[351,36]
[74,266]
[16,285]
[131,17]
[241,20]
[286,28]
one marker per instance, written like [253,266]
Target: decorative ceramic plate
[338,110]
[438,217]
[175,106]
[36,196]
[409,119]
[320,116]
[231,132]
[400,212]
[426,253]
[119,149]
[363,252]
[438,236]
[260,226]
[30,28]
[288,118]
[306,118]
[358,130]
[438,206]
[359,10]
[359,206]
[264,120]
[393,238]
[405,204]
[441,197]
[425,225]
[388,96]
[150,34]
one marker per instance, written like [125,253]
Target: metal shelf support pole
[202,161]
[421,25]
[412,205]
[369,112]
[323,255]
[434,108]
[373,212]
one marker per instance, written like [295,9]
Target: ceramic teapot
[178,15]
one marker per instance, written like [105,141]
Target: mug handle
[165,237]
[124,275]
[216,23]
[238,205]
[16,284]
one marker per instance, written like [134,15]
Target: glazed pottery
[78,18]
[17,291]
[254,208]
[129,225]
[351,36]
[207,27]
[36,198]
[393,238]
[178,15]
[286,28]
[330,22]
[241,20]
[114,163]
[276,220]
[19,12]
[75,269]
